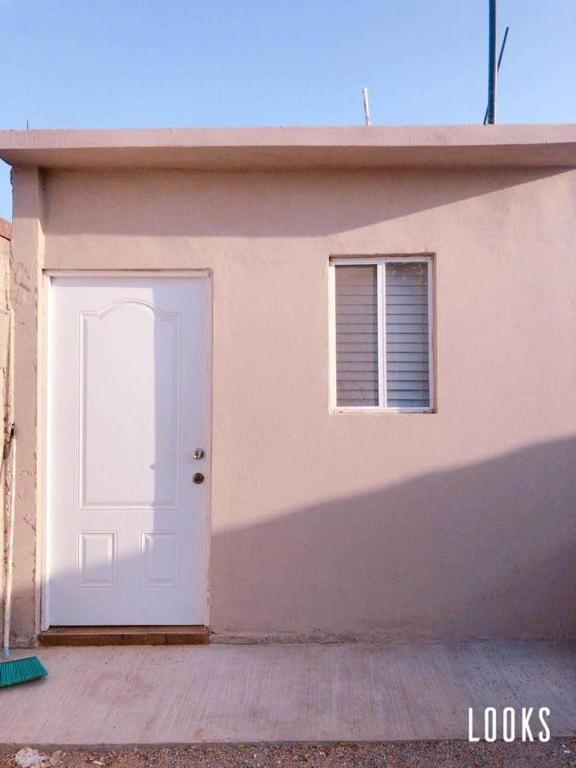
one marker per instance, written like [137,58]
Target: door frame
[44,336]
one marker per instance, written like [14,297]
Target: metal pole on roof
[367,118]
[500,55]
[492,63]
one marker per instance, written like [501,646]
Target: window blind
[356,336]
[407,364]
[405,369]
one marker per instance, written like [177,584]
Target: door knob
[198,454]
[198,478]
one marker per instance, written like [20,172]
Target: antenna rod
[367,118]
[502,48]
[492,63]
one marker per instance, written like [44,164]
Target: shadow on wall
[483,551]
[292,204]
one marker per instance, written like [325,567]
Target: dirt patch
[558,753]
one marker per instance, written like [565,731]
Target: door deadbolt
[198,454]
[198,478]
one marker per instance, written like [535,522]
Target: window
[383,333]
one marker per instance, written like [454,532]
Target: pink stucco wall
[458,524]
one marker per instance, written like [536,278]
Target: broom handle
[8,449]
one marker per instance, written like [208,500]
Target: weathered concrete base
[348,692]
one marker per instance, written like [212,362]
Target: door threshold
[195,634]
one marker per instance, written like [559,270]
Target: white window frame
[379,262]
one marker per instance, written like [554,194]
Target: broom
[24,668]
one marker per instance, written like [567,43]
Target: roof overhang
[296,148]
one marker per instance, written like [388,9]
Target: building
[293,384]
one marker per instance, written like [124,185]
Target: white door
[128,404]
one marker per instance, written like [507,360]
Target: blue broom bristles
[15,671]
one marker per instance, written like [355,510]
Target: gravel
[558,753]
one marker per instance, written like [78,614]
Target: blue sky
[143,63]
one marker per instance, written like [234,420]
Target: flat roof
[298,148]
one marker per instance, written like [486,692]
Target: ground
[558,753]
[271,694]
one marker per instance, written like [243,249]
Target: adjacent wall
[5,234]
[458,524]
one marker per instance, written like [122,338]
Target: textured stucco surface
[458,524]
[351,146]
[4,385]
[25,269]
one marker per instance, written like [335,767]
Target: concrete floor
[233,693]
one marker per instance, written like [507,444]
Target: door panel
[128,403]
